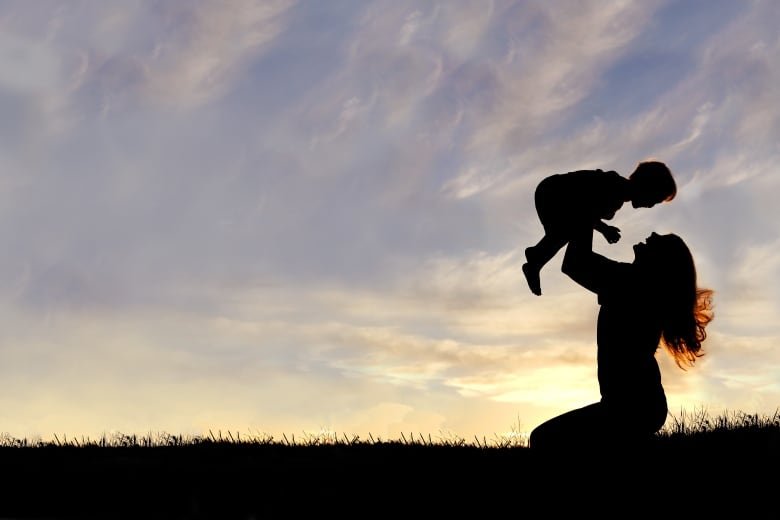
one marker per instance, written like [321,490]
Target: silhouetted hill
[227,480]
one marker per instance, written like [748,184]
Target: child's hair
[657,175]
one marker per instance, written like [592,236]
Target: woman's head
[684,309]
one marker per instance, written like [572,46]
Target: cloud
[120,57]
[26,66]
[205,46]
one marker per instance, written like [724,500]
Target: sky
[307,217]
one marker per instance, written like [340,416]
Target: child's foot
[532,277]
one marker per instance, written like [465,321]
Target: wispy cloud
[120,57]
[203,47]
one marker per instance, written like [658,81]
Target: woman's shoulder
[619,281]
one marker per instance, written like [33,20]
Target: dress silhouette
[650,302]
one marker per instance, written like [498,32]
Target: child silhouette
[568,202]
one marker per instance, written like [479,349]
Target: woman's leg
[571,431]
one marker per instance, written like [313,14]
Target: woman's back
[628,335]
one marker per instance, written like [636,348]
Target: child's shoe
[532,277]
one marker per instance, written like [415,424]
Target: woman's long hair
[685,308]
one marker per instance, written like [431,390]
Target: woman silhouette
[652,301]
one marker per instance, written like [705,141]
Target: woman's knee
[546,436]
[536,439]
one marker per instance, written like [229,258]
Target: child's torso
[594,193]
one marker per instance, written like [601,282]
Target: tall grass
[685,426]
[700,422]
[163,439]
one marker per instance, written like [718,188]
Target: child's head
[652,183]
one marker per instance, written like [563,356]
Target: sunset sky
[310,216]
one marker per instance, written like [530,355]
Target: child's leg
[544,250]
[537,256]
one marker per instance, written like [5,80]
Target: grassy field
[227,475]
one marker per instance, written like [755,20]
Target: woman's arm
[591,270]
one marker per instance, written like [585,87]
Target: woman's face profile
[651,248]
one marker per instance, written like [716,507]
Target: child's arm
[611,233]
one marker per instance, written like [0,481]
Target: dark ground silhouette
[235,481]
